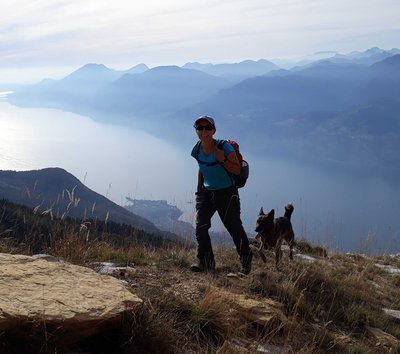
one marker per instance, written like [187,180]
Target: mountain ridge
[56,191]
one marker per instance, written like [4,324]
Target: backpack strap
[197,152]
[220,146]
[221,143]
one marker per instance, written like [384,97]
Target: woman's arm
[230,163]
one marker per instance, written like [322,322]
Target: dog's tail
[288,210]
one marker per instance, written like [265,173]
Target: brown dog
[272,232]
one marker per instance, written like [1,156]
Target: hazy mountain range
[343,110]
[235,71]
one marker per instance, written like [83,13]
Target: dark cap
[207,118]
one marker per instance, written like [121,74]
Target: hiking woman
[216,191]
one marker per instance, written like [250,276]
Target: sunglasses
[204,127]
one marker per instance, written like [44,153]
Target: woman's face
[204,130]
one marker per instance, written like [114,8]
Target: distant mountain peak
[325,52]
[92,72]
[249,61]
[138,69]
[374,50]
[90,69]
[166,67]
[93,66]
[196,65]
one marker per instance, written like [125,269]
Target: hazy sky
[61,34]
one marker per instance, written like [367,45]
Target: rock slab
[72,298]
[266,312]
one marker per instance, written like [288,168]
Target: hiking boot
[203,266]
[197,268]
[246,263]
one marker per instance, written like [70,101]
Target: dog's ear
[261,211]
[272,213]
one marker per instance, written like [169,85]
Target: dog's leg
[263,256]
[291,242]
[261,252]
[278,251]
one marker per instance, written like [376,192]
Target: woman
[216,191]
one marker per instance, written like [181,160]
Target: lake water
[334,210]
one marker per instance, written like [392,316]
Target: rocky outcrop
[383,338]
[242,346]
[166,217]
[266,312]
[75,300]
